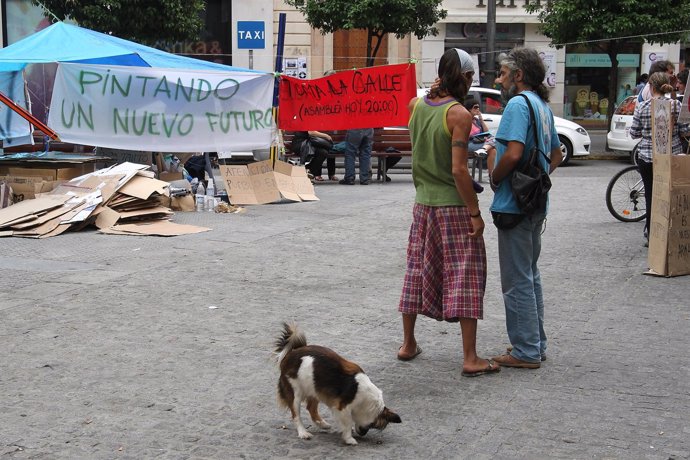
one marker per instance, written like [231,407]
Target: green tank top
[432,162]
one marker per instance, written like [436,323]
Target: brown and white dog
[318,374]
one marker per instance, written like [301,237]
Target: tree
[606,24]
[377,17]
[142,21]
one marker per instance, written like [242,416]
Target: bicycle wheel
[625,196]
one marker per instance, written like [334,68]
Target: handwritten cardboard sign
[669,233]
[259,183]
[364,98]
[662,127]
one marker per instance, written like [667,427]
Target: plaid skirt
[446,269]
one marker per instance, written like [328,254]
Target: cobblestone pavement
[119,347]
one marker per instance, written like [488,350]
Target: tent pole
[22,112]
[278,69]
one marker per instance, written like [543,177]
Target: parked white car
[618,137]
[575,141]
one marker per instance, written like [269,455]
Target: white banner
[162,110]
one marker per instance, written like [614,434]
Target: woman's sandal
[333,178]
[319,179]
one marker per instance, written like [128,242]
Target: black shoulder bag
[530,184]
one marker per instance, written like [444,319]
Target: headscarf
[466,64]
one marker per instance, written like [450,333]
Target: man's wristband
[479,213]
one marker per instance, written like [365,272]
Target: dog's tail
[291,339]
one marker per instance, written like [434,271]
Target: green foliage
[607,22]
[569,21]
[378,17]
[142,21]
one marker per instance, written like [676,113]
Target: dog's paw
[305,435]
[350,441]
[323,425]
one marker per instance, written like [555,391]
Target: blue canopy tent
[62,42]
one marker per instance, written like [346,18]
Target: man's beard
[507,94]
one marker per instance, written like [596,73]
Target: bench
[384,139]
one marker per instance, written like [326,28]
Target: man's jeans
[518,253]
[358,142]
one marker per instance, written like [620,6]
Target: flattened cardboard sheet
[143,187]
[158,228]
[30,207]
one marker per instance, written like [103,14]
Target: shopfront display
[587,74]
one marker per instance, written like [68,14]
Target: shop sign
[600,60]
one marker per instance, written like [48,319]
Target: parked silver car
[618,137]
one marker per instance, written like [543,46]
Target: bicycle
[625,195]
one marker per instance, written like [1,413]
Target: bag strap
[533,122]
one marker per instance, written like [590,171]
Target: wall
[671,52]
[432,48]
[302,41]
[256,10]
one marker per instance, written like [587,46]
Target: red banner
[372,97]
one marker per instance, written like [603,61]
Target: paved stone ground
[110,349]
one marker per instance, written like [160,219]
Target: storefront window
[586,96]
[215,43]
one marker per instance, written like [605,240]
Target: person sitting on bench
[480,138]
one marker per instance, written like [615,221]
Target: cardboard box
[61,173]
[669,234]
[259,183]
[170,176]
[25,188]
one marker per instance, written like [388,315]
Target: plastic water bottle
[200,197]
[211,190]
[200,202]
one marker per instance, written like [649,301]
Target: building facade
[578,75]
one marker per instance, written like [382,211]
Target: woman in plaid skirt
[446,258]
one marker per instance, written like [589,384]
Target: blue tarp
[63,42]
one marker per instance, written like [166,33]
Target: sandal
[333,178]
[492,368]
[319,179]
[417,351]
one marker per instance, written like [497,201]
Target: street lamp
[490,70]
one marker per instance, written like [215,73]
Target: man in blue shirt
[522,72]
